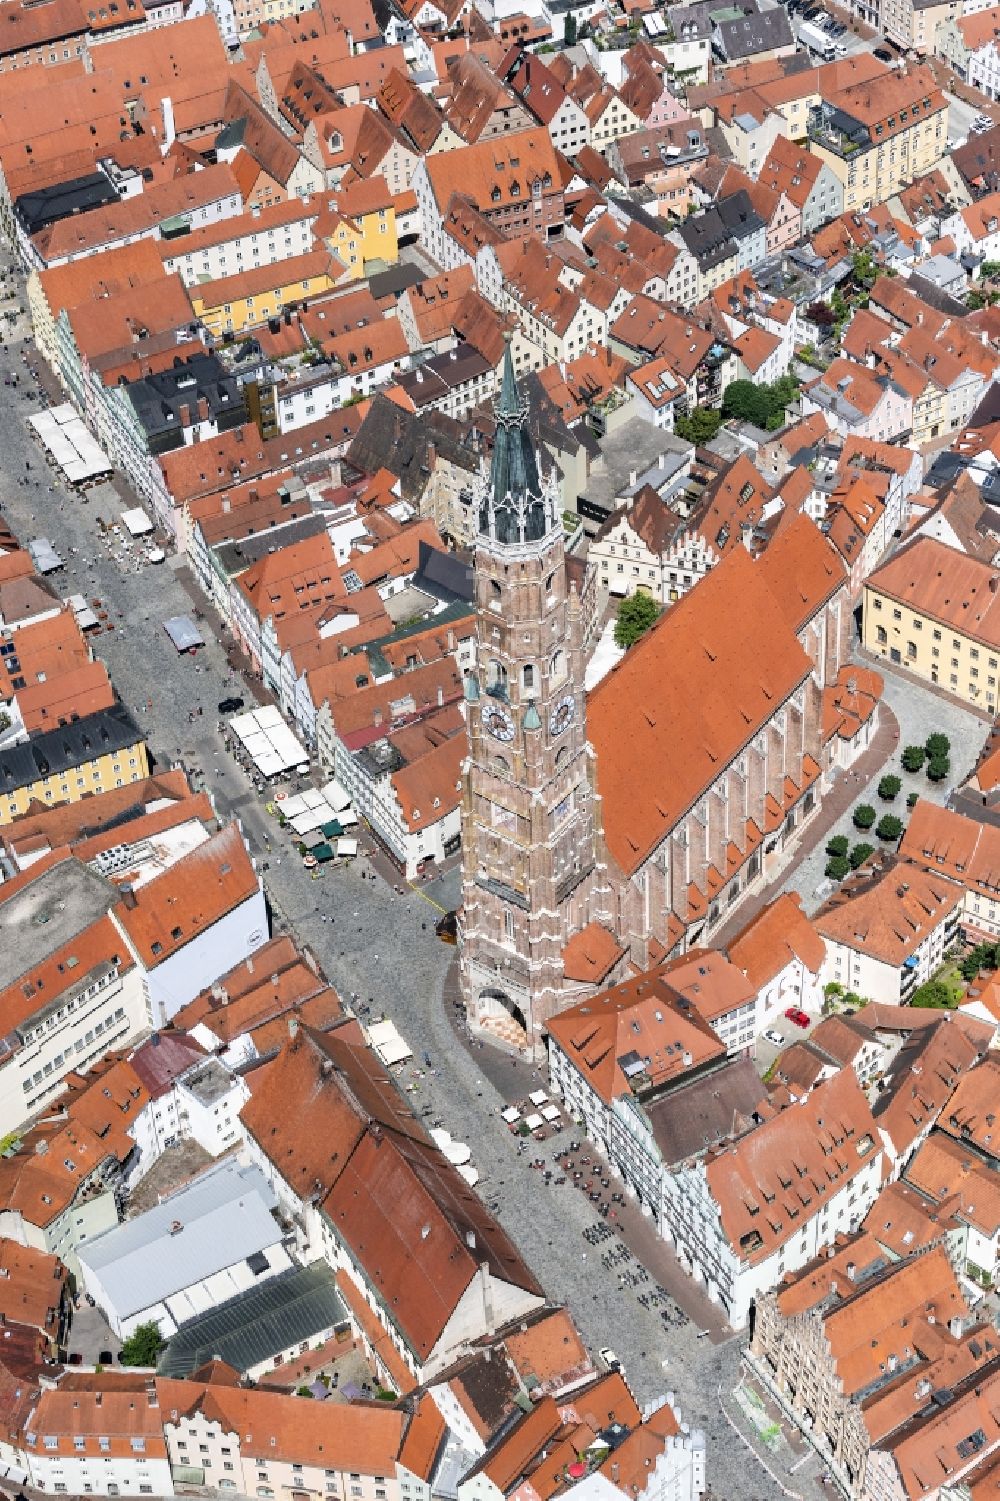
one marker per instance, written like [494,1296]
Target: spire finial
[510,403]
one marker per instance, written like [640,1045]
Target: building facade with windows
[936,611]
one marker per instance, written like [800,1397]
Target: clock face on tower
[562,714]
[498,722]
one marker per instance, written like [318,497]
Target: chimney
[293,1027]
[486,1285]
[128,895]
[169,129]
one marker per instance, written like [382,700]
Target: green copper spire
[513,508]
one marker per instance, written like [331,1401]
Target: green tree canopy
[934,993]
[143,1345]
[913,757]
[838,845]
[699,426]
[859,854]
[889,788]
[636,613]
[937,746]
[889,827]
[763,405]
[837,867]
[864,816]
[938,768]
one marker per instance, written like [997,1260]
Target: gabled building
[770,1200]
[852,1349]
[887,928]
[423,1267]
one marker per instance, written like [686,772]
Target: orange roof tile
[693,691]
[172,909]
[642,1017]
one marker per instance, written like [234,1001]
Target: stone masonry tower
[532,867]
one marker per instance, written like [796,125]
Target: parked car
[610,1359]
[797,1016]
[772,1036]
[882,55]
[230,705]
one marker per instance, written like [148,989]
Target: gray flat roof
[48,912]
[209,1082]
[224,1216]
[258,1324]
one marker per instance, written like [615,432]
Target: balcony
[837,132]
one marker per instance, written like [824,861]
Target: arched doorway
[502,1017]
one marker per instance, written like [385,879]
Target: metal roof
[221,1218]
[259,1323]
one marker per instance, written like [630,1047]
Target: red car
[798,1017]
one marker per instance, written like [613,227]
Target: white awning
[388,1044]
[137,523]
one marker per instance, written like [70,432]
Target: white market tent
[65,437]
[470,1174]
[85,617]
[183,632]
[269,743]
[388,1044]
[336,797]
[347,848]
[44,555]
[137,523]
[534,1122]
[510,1115]
[550,1112]
[309,810]
[539,1097]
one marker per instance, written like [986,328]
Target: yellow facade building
[234,304]
[878,137]
[936,612]
[63,765]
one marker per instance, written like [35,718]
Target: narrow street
[377,945]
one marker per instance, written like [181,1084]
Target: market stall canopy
[183,632]
[273,749]
[66,439]
[137,523]
[388,1044]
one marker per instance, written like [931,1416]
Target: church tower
[531,863]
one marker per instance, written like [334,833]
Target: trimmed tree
[913,799]
[838,845]
[913,758]
[889,827]
[864,816]
[837,867]
[934,994]
[859,854]
[938,768]
[699,426]
[143,1345]
[636,613]
[888,788]
[937,746]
